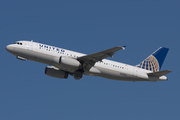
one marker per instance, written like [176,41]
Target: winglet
[123,47]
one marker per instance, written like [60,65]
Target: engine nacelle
[55,72]
[67,61]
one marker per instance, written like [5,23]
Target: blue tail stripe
[160,55]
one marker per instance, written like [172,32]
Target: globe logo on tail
[150,63]
[155,60]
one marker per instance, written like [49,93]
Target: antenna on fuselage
[31,40]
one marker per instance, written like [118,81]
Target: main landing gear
[78,74]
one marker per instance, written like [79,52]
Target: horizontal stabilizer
[159,73]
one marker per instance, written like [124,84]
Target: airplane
[64,62]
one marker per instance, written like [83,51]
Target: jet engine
[55,72]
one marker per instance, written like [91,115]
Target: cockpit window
[19,43]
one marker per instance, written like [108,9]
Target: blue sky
[26,93]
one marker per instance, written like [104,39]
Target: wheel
[78,75]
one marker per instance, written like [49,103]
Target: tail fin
[155,60]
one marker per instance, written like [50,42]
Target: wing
[93,58]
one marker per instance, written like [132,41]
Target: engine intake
[55,72]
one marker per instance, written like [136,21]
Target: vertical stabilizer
[155,60]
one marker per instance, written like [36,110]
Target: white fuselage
[106,68]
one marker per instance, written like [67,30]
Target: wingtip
[124,47]
[121,47]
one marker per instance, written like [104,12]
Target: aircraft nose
[9,48]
